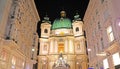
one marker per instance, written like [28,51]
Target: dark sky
[53,8]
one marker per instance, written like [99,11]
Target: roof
[62,23]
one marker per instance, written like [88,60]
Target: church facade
[62,37]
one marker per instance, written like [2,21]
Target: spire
[77,17]
[46,19]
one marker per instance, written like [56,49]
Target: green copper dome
[62,23]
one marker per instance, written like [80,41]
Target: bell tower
[45,33]
[79,42]
[45,27]
[77,26]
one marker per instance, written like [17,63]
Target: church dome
[61,23]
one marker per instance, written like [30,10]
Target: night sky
[53,7]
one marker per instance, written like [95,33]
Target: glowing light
[23,63]
[89,49]
[61,58]
[61,51]
[119,24]
[77,63]
[13,60]
[116,59]
[110,33]
[33,49]
[105,63]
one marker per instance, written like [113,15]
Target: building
[62,38]
[18,37]
[102,26]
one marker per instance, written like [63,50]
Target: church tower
[77,26]
[45,27]
[45,34]
[79,42]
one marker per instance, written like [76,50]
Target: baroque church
[62,44]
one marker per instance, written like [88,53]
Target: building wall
[18,37]
[4,12]
[98,17]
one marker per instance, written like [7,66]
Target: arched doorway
[61,63]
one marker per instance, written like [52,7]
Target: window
[77,29]
[110,33]
[99,25]
[102,1]
[105,63]
[116,59]
[96,11]
[102,44]
[45,31]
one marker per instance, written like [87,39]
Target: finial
[77,16]
[46,19]
[63,14]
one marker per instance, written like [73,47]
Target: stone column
[51,50]
[71,47]
[56,47]
[41,47]
[66,46]
[39,64]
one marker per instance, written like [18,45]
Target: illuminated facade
[102,26]
[62,37]
[18,37]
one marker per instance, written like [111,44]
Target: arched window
[45,31]
[77,29]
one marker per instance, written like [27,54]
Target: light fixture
[89,49]
[44,63]
[33,49]
[119,23]
[77,63]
